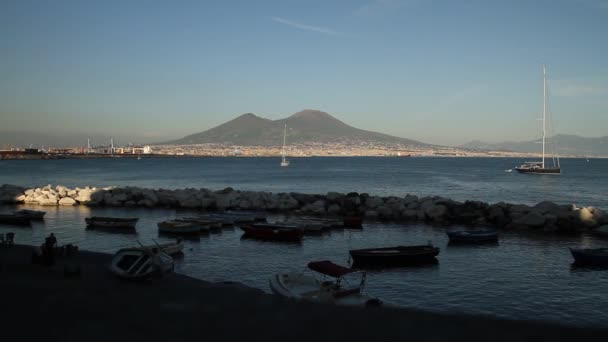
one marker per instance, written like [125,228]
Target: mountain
[567,145]
[303,127]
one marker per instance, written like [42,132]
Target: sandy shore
[41,303]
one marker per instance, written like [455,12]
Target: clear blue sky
[438,71]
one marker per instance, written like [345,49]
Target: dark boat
[14,219]
[111,222]
[590,256]
[31,214]
[272,232]
[473,236]
[398,255]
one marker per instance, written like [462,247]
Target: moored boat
[205,224]
[398,255]
[140,263]
[177,227]
[272,232]
[307,288]
[111,222]
[308,227]
[234,218]
[473,236]
[14,219]
[590,256]
[31,214]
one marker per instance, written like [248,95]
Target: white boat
[170,248]
[177,227]
[543,167]
[140,263]
[308,288]
[284,162]
[31,214]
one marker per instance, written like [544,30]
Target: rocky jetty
[547,216]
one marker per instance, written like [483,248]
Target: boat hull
[31,214]
[539,171]
[395,256]
[181,228]
[109,222]
[473,236]
[303,288]
[140,264]
[273,234]
[592,257]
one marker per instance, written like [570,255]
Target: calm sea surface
[526,276]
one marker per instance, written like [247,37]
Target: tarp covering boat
[329,268]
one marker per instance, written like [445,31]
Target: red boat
[272,232]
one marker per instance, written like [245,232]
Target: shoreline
[97,306]
[545,216]
[185,156]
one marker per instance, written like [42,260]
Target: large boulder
[385,212]
[586,217]
[436,212]
[67,201]
[287,202]
[409,214]
[84,195]
[9,193]
[334,209]
[334,197]
[547,207]
[373,202]
[532,220]
[303,199]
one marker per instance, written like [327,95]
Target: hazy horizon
[434,71]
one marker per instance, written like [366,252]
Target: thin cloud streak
[304,27]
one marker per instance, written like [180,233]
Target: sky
[439,71]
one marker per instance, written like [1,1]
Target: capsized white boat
[140,263]
[308,288]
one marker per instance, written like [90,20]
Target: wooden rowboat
[398,255]
[272,232]
[111,222]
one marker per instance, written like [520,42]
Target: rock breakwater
[546,216]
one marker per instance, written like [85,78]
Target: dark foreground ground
[40,303]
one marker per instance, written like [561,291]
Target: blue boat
[473,236]
[590,256]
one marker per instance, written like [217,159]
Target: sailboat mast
[284,140]
[544,110]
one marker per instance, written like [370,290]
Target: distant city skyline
[436,71]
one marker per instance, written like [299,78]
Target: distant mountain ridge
[567,144]
[303,127]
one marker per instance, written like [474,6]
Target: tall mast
[544,110]
[284,140]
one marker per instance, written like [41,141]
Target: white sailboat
[543,167]
[284,162]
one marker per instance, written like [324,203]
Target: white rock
[67,201]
